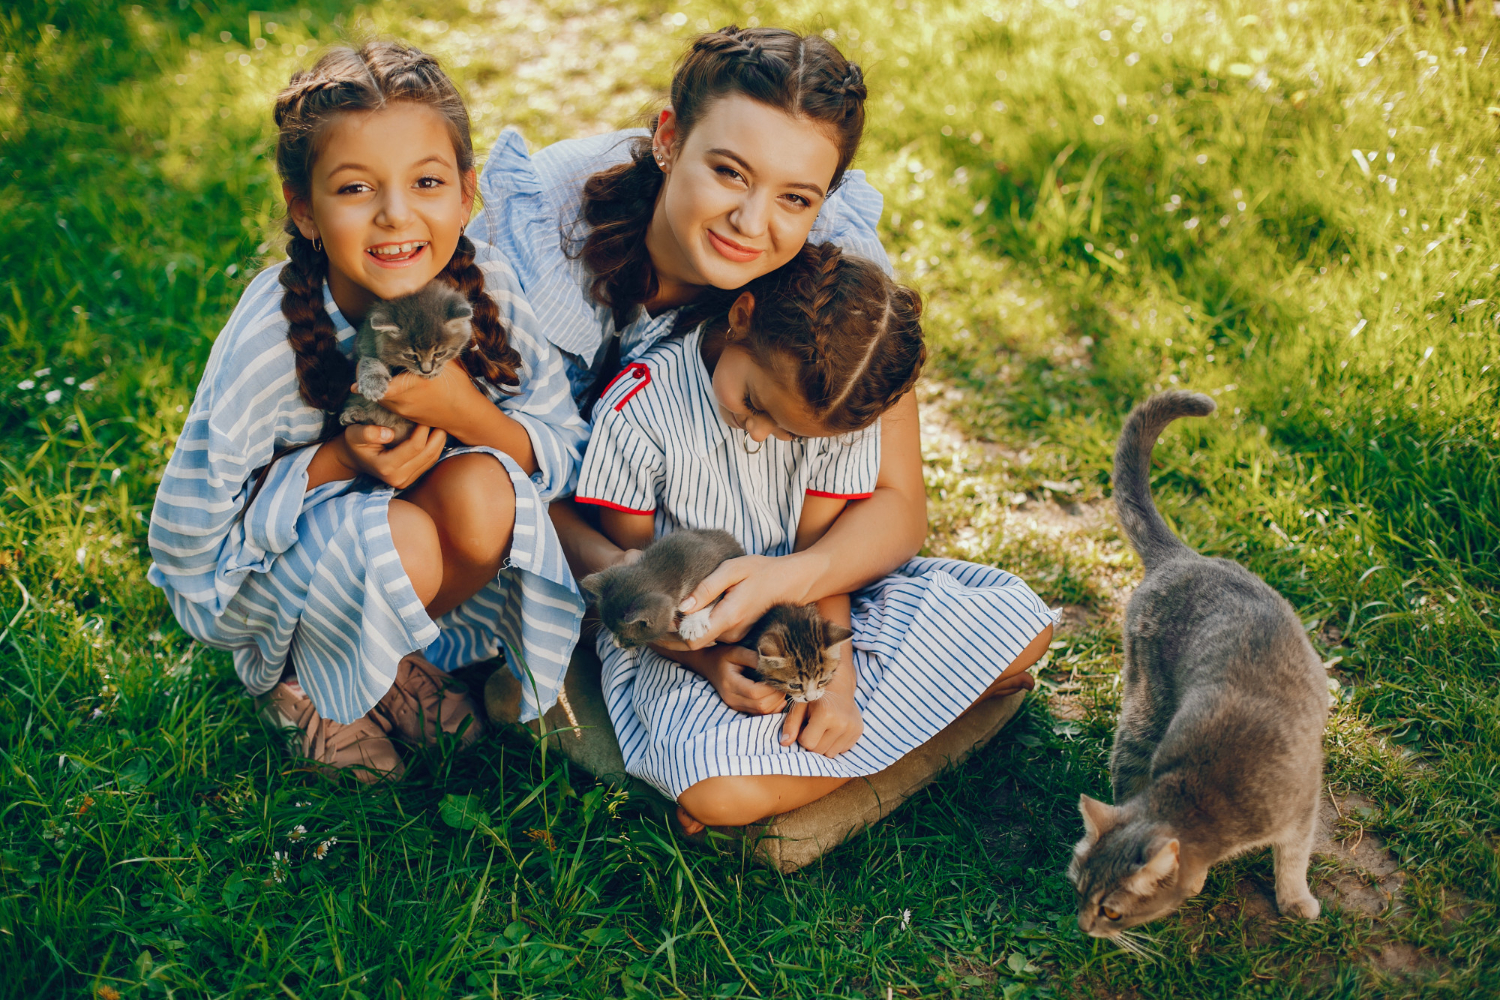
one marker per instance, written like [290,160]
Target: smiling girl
[325,558]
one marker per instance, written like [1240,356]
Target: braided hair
[374,77]
[849,336]
[802,76]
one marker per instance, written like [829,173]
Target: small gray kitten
[638,602]
[797,648]
[421,333]
[1219,747]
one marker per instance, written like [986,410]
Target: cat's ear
[771,664]
[1098,818]
[594,583]
[1161,865]
[770,646]
[837,634]
[380,319]
[459,307]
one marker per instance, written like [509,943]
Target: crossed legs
[738,801]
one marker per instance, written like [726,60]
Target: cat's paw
[1306,908]
[372,385]
[694,626]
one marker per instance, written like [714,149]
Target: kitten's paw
[694,626]
[373,385]
[1306,908]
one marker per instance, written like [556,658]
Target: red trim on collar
[641,373]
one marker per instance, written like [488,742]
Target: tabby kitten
[798,650]
[1219,748]
[638,602]
[420,333]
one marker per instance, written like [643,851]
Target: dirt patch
[1368,878]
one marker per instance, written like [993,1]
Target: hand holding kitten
[444,401]
[365,449]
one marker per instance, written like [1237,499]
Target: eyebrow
[434,158]
[737,158]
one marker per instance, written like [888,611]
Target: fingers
[729,573]
[792,727]
[367,435]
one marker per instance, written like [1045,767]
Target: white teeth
[396,249]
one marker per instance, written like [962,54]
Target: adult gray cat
[638,601]
[1219,748]
[420,333]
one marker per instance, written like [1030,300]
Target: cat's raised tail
[1154,542]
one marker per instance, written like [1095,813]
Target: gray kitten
[421,333]
[1219,748]
[797,647]
[638,602]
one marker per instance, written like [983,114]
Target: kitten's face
[424,332]
[637,616]
[799,653]
[1125,872]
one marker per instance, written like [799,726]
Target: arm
[867,541]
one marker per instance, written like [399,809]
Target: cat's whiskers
[1139,944]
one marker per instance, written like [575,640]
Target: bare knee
[728,801]
[416,541]
[478,510]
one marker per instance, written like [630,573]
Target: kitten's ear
[459,307]
[380,319]
[1098,818]
[771,646]
[837,634]
[594,583]
[1161,865]
[771,664]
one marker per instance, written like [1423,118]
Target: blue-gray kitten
[420,333]
[1219,748]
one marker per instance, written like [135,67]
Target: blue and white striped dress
[532,207]
[312,576]
[928,639]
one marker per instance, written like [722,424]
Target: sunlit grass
[1098,201]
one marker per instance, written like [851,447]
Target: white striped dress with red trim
[928,639]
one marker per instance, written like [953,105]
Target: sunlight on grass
[1288,206]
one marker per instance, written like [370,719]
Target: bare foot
[690,824]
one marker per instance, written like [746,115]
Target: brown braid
[343,81]
[802,76]
[849,336]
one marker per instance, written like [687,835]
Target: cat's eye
[1109,914]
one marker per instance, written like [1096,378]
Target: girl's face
[758,400]
[388,201]
[742,192]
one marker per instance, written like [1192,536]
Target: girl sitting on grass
[765,423]
[321,557]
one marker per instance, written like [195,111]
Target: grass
[1092,217]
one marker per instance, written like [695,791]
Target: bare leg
[1014,677]
[472,505]
[416,541]
[1293,898]
[738,801]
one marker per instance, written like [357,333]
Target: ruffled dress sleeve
[851,218]
[846,467]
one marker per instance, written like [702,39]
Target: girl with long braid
[764,422]
[348,574]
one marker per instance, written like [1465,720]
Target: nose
[815,694]
[752,217]
[394,211]
[758,427]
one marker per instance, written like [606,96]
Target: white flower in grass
[26,385]
[41,373]
[906,920]
[321,851]
[87,386]
[53,396]
[298,832]
[280,863]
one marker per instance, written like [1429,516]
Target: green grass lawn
[1290,206]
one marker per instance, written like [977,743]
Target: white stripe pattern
[929,639]
[532,207]
[313,575]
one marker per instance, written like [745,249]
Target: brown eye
[1108,913]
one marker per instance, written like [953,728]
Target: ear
[1098,818]
[384,327]
[300,210]
[458,327]
[837,634]
[1161,865]
[594,583]
[769,645]
[459,307]
[664,139]
[770,664]
[469,186]
[741,313]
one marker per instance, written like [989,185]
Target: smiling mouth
[397,253]
[732,250]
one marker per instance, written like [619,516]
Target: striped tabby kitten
[798,650]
